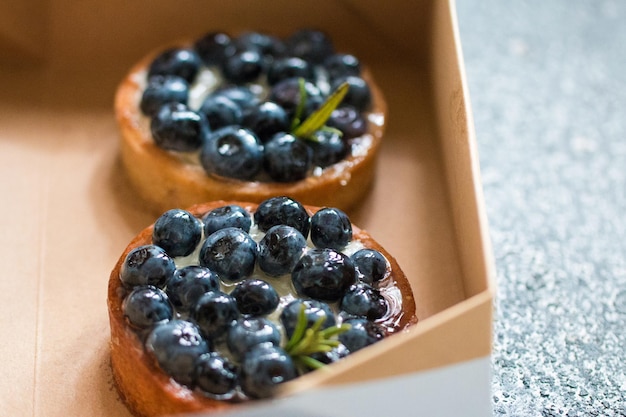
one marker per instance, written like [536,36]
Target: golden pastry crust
[146,389]
[163,180]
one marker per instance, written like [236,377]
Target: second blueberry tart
[250,116]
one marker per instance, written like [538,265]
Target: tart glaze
[163,180]
[145,388]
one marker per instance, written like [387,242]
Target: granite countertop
[547,83]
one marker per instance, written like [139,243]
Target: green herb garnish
[318,118]
[307,341]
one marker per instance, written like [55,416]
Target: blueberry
[146,306]
[266,119]
[176,127]
[359,95]
[362,333]
[280,249]
[286,93]
[331,356]
[182,62]
[331,228]
[266,45]
[289,67]
[214,313]
[176,346]
[371,265]
[227,216]
[349,121]
[286,158]
[230,252]
[163,89]
[220,111]
[323,274]
[232,152]
[188,284]
[255,297]
[249,332]
[243,67]
[147,265]
[342,65]
[282,210]
[309,44]
[178,232]
[328,148]
[240,95]
[263,368]
[215,374]
[362,300]
[314,309]
[214,47]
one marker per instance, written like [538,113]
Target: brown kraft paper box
[68,212]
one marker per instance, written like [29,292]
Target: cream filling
[210,79]
[282,284]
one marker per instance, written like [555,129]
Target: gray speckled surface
[547,82]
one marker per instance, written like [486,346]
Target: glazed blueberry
[243,67]
[361,333]
[163,89]
[371,265]
[147,265]
[286,93]
[282,210]
[220,111]
[255,297]
[266,45]
[286,158]
[349,121]
[313,309]
[359,95]
[333,355]
[328,148]
[146,306]
[214,313]
[266,119]
[214,374]
[230,252]
[188,284]
[289,67]
[342,65]
[176,346]
[227,216]
[264,367]
[323,274]
[176,127]
[249,332]
[178,232]
[232,152]
[280,249]
[312,45]
[363,300]
[240,95]
[331,228]
[182,62]
[214,47]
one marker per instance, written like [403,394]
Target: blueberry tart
[248,117]
[223,302]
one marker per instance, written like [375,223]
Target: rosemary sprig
[301,104]
[307,341]
[318,118]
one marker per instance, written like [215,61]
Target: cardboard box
[68,213]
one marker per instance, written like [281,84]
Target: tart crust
[145,388]
[163,180]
